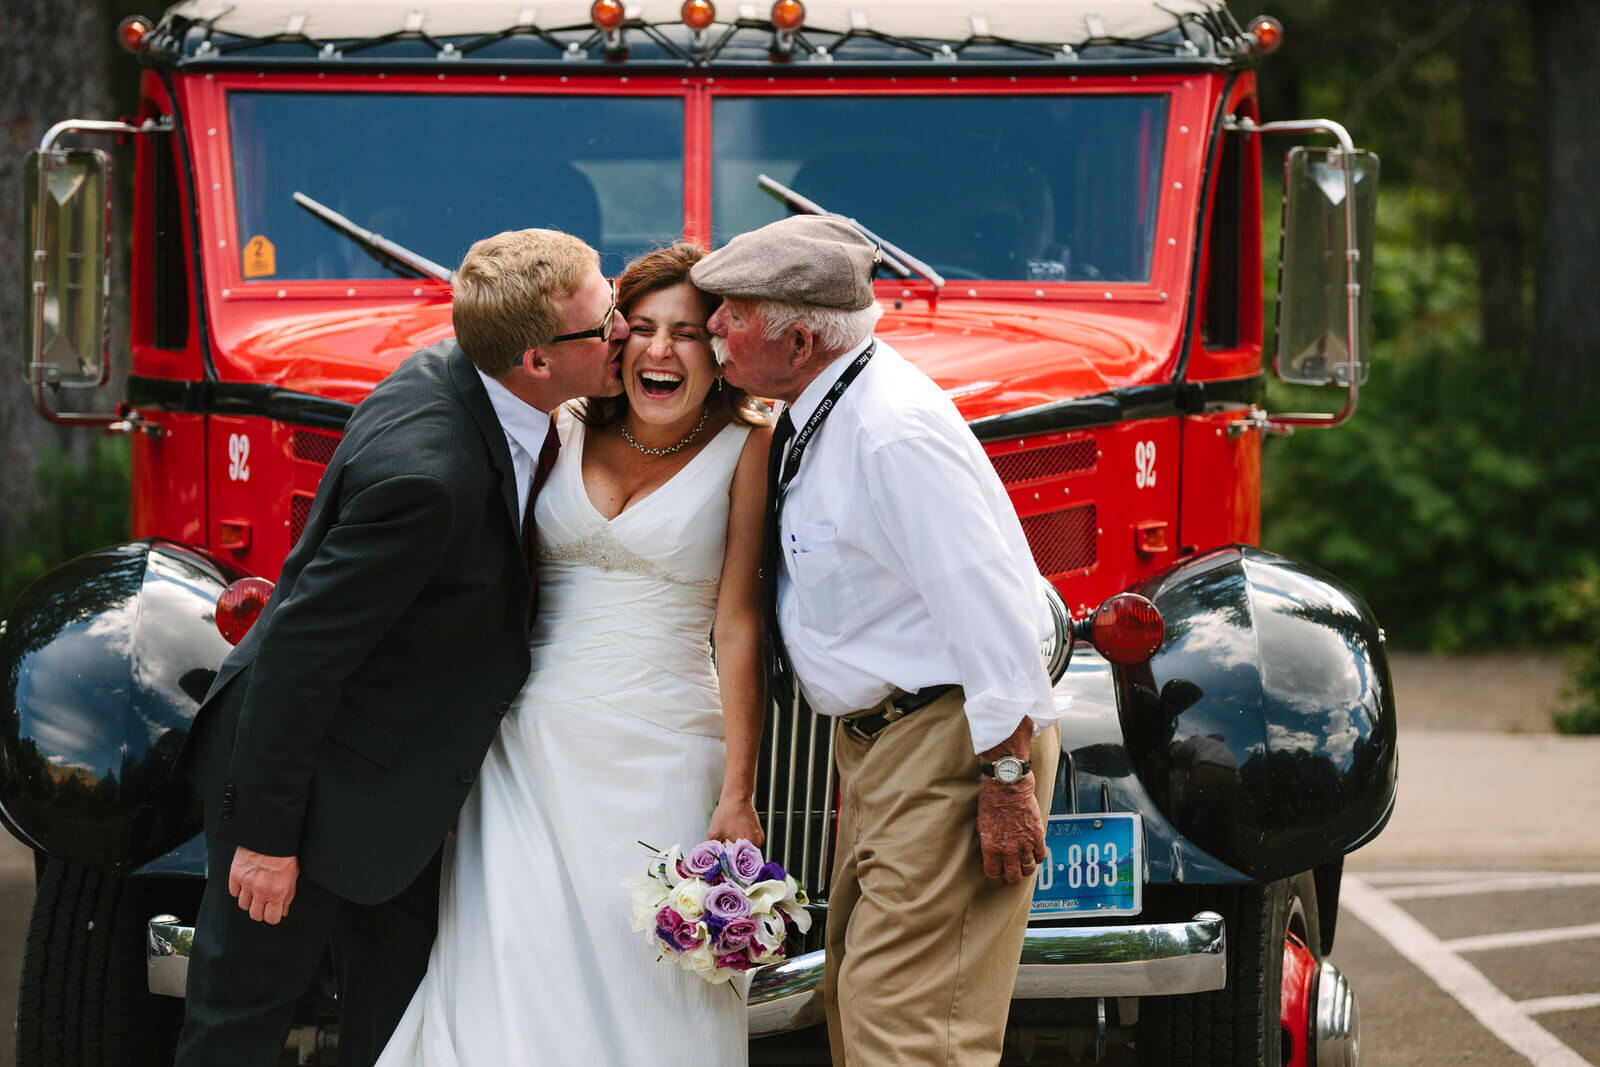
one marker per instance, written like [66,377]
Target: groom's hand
[263,884]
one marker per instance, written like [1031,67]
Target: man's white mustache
[719,348]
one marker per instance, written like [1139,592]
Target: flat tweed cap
[803,259]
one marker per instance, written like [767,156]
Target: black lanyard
[791,461]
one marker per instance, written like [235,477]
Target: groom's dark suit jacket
[348,725]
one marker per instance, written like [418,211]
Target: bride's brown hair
[654,271]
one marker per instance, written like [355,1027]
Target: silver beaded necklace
[705,413]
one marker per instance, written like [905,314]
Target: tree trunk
[1491,177]
[57,66]
[1567,314]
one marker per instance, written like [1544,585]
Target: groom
[343,733]
[903,599]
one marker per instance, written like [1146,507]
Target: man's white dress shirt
[525,428]
[904,565]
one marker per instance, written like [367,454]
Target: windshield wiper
[893,256]
[396,257]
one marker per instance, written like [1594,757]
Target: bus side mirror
[1322,334]
[66,212]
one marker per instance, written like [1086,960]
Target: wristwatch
[1007,770]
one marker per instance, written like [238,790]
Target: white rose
[688,898]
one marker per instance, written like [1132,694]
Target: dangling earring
[717,389]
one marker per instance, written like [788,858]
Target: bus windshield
[436,172]
[1020,188]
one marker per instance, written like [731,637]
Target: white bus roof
[1055,22]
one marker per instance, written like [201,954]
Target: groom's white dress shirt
[904,565]
[525,428]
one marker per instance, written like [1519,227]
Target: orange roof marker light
[607,15]
[133,33]
[1267,32]
[698,15]
[787,17]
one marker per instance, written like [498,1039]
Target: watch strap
[988,768]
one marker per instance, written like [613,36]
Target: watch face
[1008,769]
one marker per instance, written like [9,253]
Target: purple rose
[736,961]
[703,858]
[771,872]
[727,902]
[736,934]
[745,860]
[676,932]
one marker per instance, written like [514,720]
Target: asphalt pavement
[1470,929]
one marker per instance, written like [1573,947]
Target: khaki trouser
[922,949]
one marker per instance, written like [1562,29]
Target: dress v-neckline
[636,504]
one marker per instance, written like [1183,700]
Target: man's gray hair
[834,328]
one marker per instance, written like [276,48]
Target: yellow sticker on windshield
[260,258]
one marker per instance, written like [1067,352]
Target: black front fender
[103,663]
[1264,728]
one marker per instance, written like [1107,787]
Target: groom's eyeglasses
[602,331]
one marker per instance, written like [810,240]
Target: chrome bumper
[1132,960]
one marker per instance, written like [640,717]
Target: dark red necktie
[530,547]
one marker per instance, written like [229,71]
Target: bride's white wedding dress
[615,739]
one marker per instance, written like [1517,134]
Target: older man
[903,600]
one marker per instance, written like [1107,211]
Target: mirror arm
[1352,258]
[53,134]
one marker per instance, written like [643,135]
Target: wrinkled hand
[1010,830]
[263,884]
[736,818]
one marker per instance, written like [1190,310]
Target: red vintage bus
[1070,196]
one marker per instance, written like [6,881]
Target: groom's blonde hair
[509,292]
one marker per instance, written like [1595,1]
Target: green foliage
[1460,527]
[78,506]
[1581,607]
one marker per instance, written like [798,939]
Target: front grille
[1064,540]
[1052,461]
[795,787]
[299,509]
[314,447]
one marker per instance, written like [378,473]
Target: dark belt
[893,709]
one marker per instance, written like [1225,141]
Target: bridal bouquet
[719,910]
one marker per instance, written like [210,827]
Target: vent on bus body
[314,447]
[1051,461]
[299,509]
[1064,540]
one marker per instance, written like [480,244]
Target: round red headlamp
[1127,629]
[240,605]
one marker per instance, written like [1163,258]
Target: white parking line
[1508,884]
[1518,938]
[1498,1013]
[1577,1002]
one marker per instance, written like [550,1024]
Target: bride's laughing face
[667,365]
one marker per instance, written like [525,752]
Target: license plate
[1094,864]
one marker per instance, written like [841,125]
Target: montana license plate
[1094,865]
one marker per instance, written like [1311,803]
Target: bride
[649,534]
